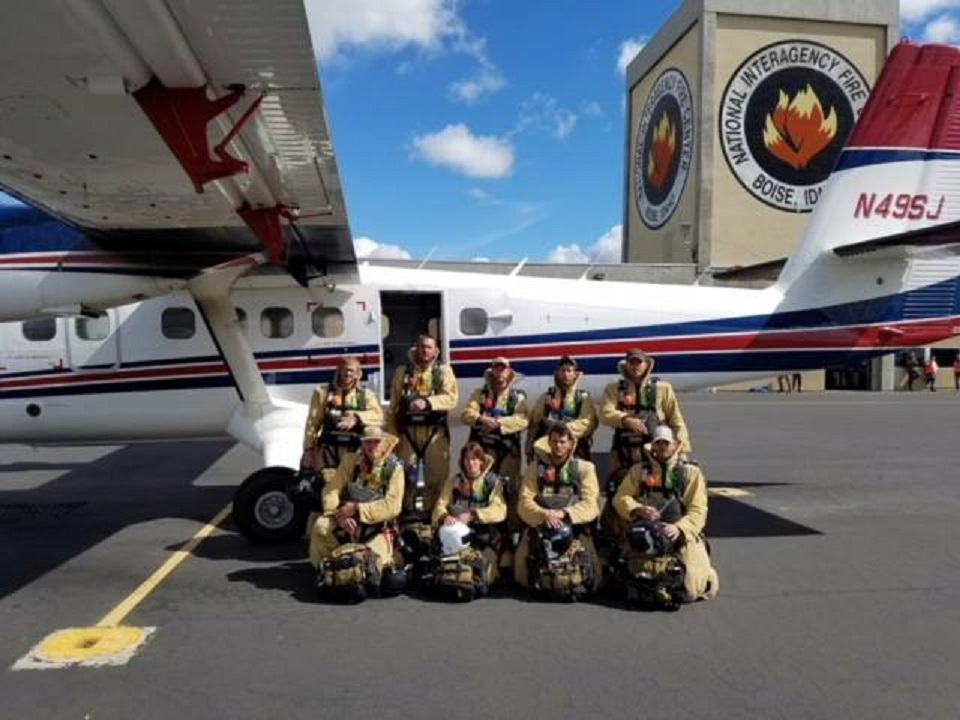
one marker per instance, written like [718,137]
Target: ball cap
[373,433]
[663,432]
[636,354]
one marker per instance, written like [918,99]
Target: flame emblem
[798,130]
[662,150]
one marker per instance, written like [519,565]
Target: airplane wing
[940,239]
[173,126]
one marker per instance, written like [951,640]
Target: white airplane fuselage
[129,378]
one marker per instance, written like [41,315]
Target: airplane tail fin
[888,221]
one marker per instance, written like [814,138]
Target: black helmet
[393,582]
[648,538]
[556,541]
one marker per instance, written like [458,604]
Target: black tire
[262,510]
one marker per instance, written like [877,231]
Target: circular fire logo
[664,148]
[784,118]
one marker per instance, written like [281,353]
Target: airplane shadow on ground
[44,527]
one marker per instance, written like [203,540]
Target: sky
[494,130]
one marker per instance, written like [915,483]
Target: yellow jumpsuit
[511,425]
[582,513]
[323,540]
[432,439]
[582,425]
[701,579]
[488,510]
[668,411]
[347,404]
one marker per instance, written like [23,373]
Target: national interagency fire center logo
[784,118]
[664,148]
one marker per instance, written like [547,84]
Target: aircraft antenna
[518,268]
[427,258]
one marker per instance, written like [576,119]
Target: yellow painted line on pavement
[728,492]
[108,642]
[126,606]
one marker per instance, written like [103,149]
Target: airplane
[181,264]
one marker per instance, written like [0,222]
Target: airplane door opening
[405,316]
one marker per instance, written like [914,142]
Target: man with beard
[668,496]
[352,542]
[422,393]
[564,402]
[338,414]
[558,504]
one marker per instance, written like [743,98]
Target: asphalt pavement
[833,523]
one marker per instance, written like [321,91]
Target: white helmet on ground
[453,538]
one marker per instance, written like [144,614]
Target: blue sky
[493,129]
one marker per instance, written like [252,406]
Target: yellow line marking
[728,492]
[109,643]
[85,647]
[127,605]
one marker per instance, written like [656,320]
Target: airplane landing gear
[267,507]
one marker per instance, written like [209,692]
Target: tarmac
[833,522]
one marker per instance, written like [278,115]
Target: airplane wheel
[264,512]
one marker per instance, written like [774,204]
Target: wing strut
[269,425]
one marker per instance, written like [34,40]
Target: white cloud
[336,26]
[943,29]
[591,108]
[482,197]
[544,112]
[608,248]
[628,51]
[480,259]
[458,149]
[367,248]
[914,11]
[605,250]
[486,81]
[571,254]
[378,25]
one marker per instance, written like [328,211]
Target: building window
[473,321]
[276,322]
[178,323]
[327,322]
[96,328]
[40,330]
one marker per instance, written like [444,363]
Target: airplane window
[39,330]
[178,323]
[327,322]
[276,322]
[473,321]
[95,328]
[241,319]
